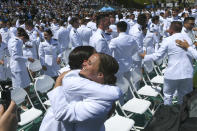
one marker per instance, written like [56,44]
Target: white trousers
[183,87]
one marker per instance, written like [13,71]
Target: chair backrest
[123,84]
[43,83]
[35,66]
[18,95]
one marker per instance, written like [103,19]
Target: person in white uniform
[123,48]
[98,40]
[30,48]
[179,72]
[84,32]
[92,24]
[20,76]
[64,40]
[75,38]
[63,36]
[3,62]
[151,41]
[185,45]
[113,27]
[4,32]
[54,28]
[188,25]
[137,32]
[83,108]
[50,54]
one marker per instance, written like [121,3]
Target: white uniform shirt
[17,60]
[114,32]
[122,48]
[179,61]
[5,35]
[54,29]
[75,38]
[193,52]
[77,106]
[48,53]
[92,26]
[33,43]
[63,37]
[85,33]
[99,42]
[189,33]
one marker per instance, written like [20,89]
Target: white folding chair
[119,123]
[34,67]
[43,84]
[29,115]
[135,105]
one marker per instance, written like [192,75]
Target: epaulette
[139,29]
[107,33]
[75,31]
[102,35]
[55,39]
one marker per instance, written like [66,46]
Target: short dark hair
[73,20]
[155,18]
[120,16]
[122,26]
[141,19]
[109,67]
[188,19]
[22,32]
[99,18]
[78,55]
[49,32]
[176,26]
[29,23]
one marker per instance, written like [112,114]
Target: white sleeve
[91,107]
[193,52]
[159,54]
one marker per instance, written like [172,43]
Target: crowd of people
[99,49]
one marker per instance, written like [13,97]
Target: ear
[100,75]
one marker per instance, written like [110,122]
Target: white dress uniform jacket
[193,52]
[85,33]
[76,106]
[189,33]
[20,76]
[5,35]
[75,38]
[49,51]
[179,61]
[122,48]
[99,42]
[92,26]
[136,32]
[179,72]
[54,29]
[63,38]
[33,43]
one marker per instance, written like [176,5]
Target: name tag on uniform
[49,60]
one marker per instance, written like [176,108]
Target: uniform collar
[185,30]
[82,26]
[122,33]
[101,31]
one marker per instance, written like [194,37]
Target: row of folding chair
[41,85]
[140,103]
